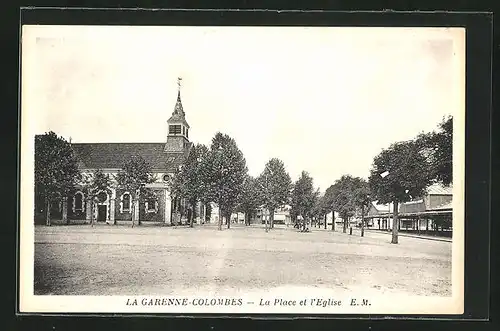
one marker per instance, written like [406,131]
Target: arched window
[78,202]
[102,197]
[125,202]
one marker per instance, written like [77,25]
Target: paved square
[145,260]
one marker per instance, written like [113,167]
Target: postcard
[250,170]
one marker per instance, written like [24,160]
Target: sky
[325,100]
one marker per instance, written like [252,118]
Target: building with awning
[432,212]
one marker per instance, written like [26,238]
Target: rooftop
[114,155]
[439,189]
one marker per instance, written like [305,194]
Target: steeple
[178,115]
[178,127]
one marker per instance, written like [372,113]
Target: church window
[174,129]
[78,201]
[126,202]
[184,130]
[151,205]
[187,133]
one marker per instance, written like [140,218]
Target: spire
[178,110]
[178,115]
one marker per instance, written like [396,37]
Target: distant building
[236,217]
[375,210]
[331,216]
[281,215]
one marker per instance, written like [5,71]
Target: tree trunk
[92,213]
[133,212]
[271,219]
[203,216]
[193,213]
[209,213]
[181,210]
[228,220]
[395,224]
[265,221]
[362,221]
[47,218]
[65,210]
[325,221]
[220,219]
[344,225]
[333,220]
[138,194]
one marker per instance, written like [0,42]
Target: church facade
[163,157]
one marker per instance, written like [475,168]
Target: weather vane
[179,82]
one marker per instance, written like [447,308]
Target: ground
[120,260]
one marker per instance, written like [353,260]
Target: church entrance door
[101,213]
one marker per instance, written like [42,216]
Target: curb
[426,238]
[417,237]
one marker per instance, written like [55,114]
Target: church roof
[114,155]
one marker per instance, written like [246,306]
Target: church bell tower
[178,127]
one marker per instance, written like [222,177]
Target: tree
[250,198]
[293,212]
[189,182]
[318,211]
[330,203]
[399,173]
[56,169]
[275,184]
[304,197]
[225,171]
[134,176]
[208,211]
[204,194]
[93,184]
[323,208]
[362,198]
[343,198]
[437,147]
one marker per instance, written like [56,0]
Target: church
[164,158]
